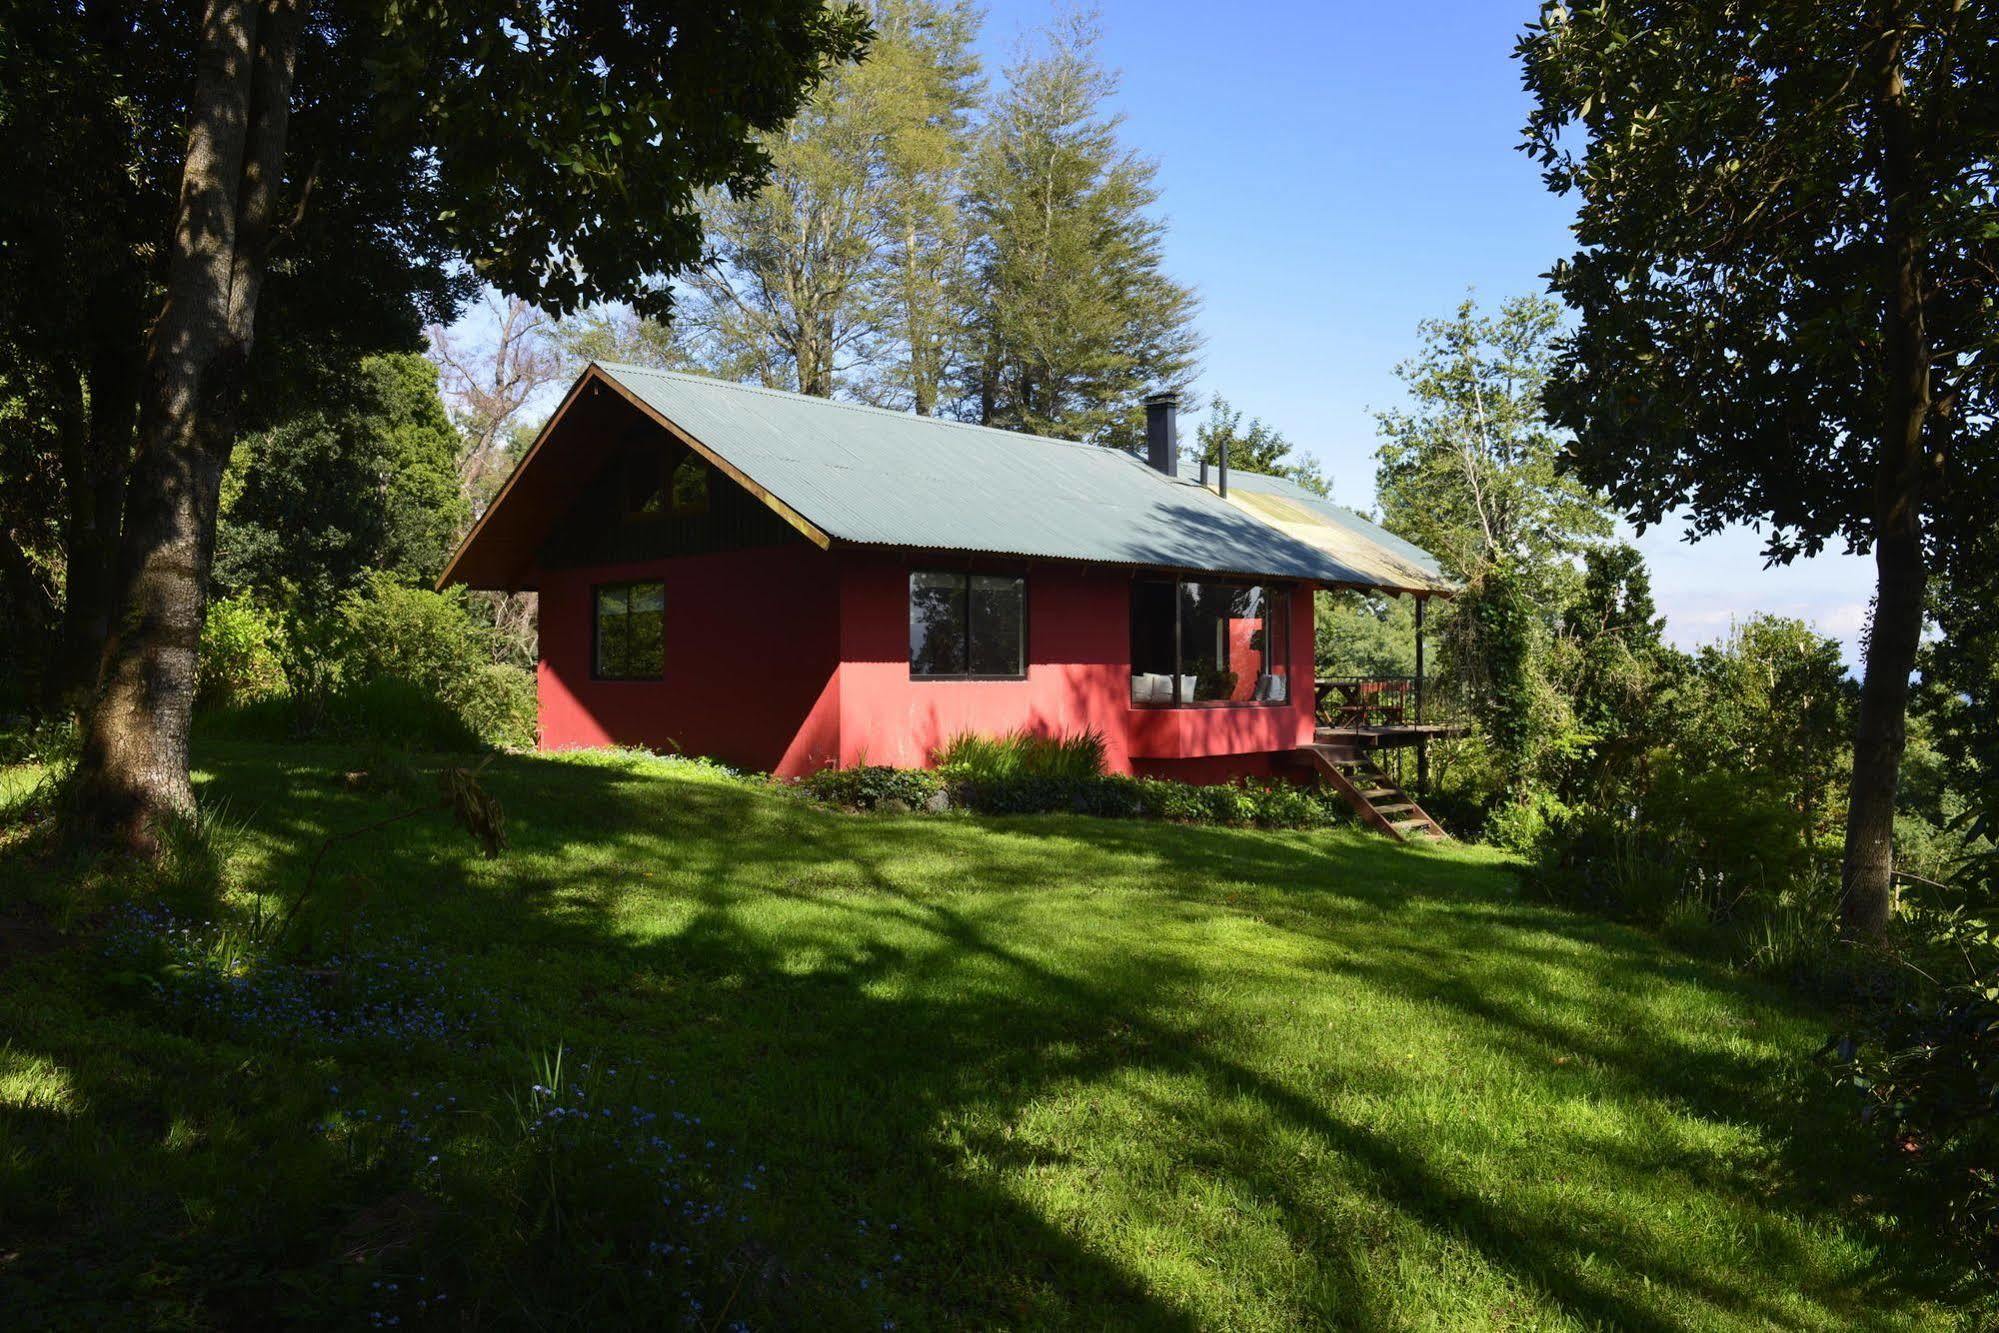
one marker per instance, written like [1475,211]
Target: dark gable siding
[597,531]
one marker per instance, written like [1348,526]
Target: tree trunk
[1867,875]
[96,471]
[134,766]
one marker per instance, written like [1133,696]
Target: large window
[1209,643]
[630,631]
[967,625]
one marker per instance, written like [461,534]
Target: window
[1209,643]
[690,486]
[630,631]
[644,491]
[968,625]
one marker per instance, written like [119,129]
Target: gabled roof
[851,475]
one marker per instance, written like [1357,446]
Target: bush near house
[388,662]
[1029,773]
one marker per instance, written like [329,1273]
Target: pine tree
[1077,320]
[838,274]
[928,85]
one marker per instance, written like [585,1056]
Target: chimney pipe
[1204,471]
[1162,432]
[1222,488]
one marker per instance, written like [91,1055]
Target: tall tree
[1254,447]
[489,382]
[924,60]
[364,479]
[1077,318]
[1786,220]
[838,273]
[571,153]
[1469,471]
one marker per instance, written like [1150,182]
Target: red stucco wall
[791,658]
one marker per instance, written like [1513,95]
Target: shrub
[1022,753]
[870,786]
[393,663]
[240,658]
[498,703]
[1012,791]
[427,638]
[1519,826]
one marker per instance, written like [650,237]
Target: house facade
[785,584]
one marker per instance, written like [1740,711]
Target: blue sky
[1333,173]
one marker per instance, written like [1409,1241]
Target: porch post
[1422,741]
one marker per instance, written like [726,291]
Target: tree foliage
[1254,447]
[843,270]
[1077,319]
[364,479]
[1786,218]
[1471,471]
[312,181]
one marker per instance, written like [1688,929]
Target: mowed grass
[1047,1072]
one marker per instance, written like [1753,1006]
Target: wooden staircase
[1376,798]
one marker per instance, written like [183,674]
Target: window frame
[628,512]
[965,577]
[597,630]
[1272,591]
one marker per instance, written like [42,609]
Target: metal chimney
[1162,432]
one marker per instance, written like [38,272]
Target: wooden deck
[1386,735]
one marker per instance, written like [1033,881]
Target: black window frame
[632,508]
[965,577]
[597,628]
[676,505]
[1272,591]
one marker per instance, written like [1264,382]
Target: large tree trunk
[1867,876]
[134,767]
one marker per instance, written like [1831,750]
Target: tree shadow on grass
[875,1007]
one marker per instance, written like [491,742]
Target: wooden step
[1373,794]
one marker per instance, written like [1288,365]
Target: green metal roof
[875,477]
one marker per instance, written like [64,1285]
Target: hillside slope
[914,1072]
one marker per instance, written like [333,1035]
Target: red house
[786,583]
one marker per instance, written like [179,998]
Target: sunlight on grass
[1038,1072]
[35,1083]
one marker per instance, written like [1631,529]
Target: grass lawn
[948,1072]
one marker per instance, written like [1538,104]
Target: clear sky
[1335,171]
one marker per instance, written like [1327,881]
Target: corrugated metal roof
[1339,531]
[876,477]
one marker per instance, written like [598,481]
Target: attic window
[644,488]
[690,486]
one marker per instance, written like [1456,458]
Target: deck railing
[1353,702]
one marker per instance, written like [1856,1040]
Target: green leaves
[575,150]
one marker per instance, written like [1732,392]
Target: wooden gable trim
[594,379]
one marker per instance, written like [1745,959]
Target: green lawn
[1047,1072]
